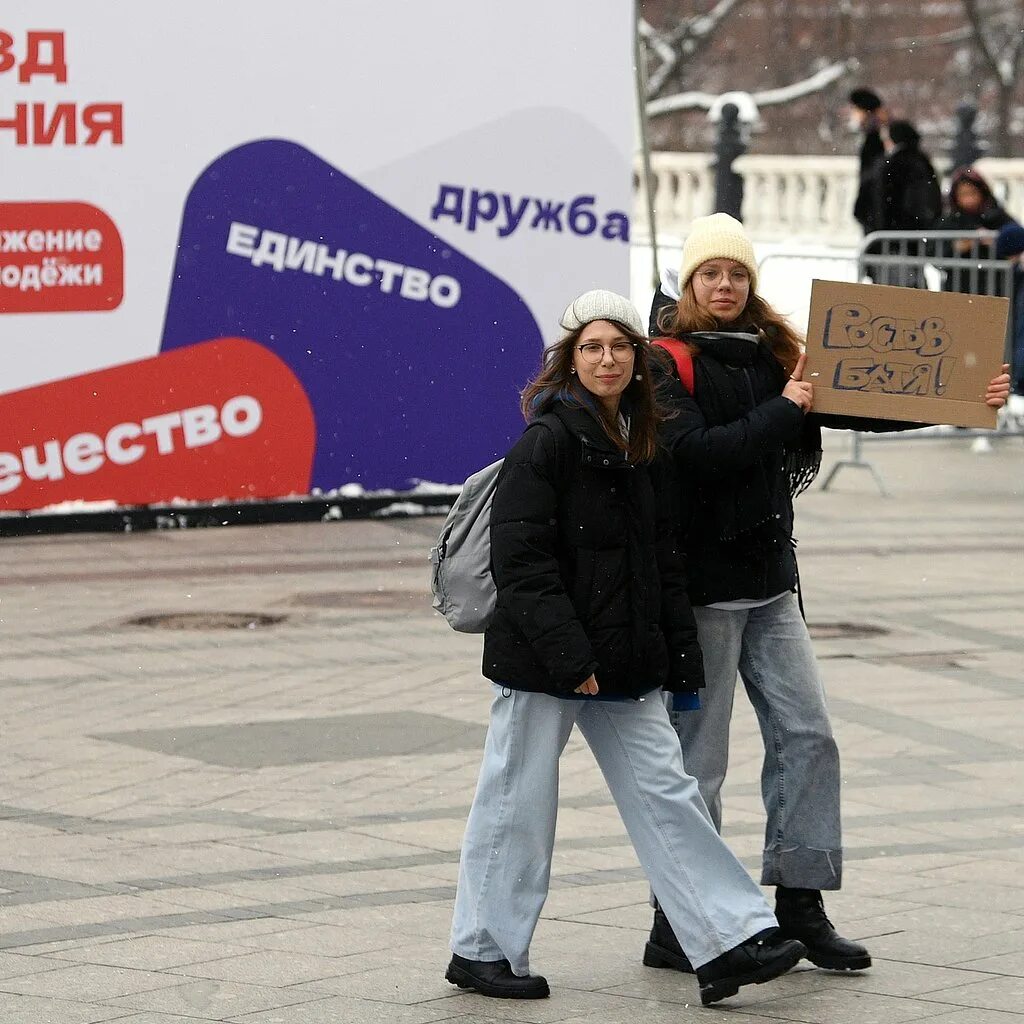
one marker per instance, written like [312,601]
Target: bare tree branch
[767,98]
[681,42]
[1017,48]
[981,38]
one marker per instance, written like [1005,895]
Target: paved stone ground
[261,825]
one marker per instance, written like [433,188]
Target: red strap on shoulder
[681,357]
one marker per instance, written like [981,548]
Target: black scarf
[744,504]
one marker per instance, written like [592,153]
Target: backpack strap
[682,357]
[560,433]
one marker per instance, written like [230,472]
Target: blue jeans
[707,895]
[771,649]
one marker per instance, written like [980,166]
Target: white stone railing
[684,188]
[804,198]
[1006,176]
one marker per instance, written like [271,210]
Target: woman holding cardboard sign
[743,438]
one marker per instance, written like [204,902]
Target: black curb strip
[249,513]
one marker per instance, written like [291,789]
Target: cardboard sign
[904,353]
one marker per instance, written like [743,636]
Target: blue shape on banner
[412,354]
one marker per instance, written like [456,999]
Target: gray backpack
[461,579]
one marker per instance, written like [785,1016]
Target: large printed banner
[276,257]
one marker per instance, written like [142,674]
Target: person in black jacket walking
[868,115]
[907,198]
[747,439]
[592,619]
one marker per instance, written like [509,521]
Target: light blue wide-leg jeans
[710,900]
[771,650]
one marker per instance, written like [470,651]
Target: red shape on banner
[59,258]
[221,419]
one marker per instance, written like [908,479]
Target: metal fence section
[955,261]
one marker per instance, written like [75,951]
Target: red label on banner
[59,258]
[221,419]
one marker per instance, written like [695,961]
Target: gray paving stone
[896,978]
[340,1008]
[308,740]
[24,1009]
[159,1018]
[325,940]
[976,1016]
[563,1004]
[994,993]
[14,965]
[207,998]
[276,968]
[398,982]
[840,1006]
[146,953]
[649,1011]
[945,949]
[88,982]
[1006,963]
[249,858]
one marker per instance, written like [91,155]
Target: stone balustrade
[805,198]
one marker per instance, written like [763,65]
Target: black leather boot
[495,979]
[801,915]
[762,957]
[663,949]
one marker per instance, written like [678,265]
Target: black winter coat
[865,206]
[907,194]
[589,572]
[719,460]
[965,279]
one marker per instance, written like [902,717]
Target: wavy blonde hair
[686,316]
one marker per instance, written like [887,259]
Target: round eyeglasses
[592,352]
[738,277]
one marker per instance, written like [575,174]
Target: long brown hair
[686,316]
[555,382]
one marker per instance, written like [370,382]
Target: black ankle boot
[495,979]
[762,957]
[663,949]
[801,915]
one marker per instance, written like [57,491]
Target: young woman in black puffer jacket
[592,620]
[745,438]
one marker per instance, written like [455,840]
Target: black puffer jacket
[715,458]
[723,462]
[589,573]
[968,279]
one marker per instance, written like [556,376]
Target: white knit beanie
[600,305]
[718,237]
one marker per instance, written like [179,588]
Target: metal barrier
[958,258]
[955,260]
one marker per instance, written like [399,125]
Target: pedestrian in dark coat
[746,438]
[907,198]
[592,620]
[868,115]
